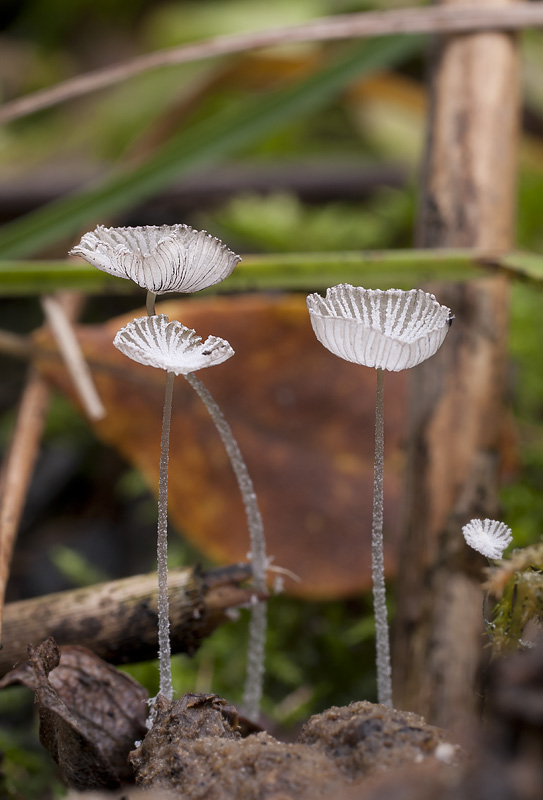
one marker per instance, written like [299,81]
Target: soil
[196,750]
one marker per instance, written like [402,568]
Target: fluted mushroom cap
[488,536]
[170,345]
[390,330]
[161,259]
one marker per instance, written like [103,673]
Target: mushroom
[171,346]
[488,536]
[178,258]
[388,330]
[165,258]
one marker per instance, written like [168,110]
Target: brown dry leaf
[304,420]
[90,714]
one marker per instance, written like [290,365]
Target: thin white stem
[254,519]
[150,304]
[164,649]
[254,679]
[257,627]
[384,671]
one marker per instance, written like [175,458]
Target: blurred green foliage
[516,583]
[26,770]
[280,222]
[522,498]
[318,654]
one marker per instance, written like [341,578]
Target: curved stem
[384,672]
[164,650]
[257,627]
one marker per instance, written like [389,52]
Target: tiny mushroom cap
[488,536]
[170,345]
[390,330]
[161,259]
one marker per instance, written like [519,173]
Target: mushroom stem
[384,672]
[164,650]
[257,627]
[254,679]
[150,304]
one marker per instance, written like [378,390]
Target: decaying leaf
[304,421]
[90,714]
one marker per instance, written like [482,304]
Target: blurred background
[341,176]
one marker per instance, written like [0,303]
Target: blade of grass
[226,133]
[288,271]
[522,265]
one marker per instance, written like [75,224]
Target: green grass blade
[402,269]
[523,265]
[225,134]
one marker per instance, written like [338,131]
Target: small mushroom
[179,350]
[488,536]
[170,345]
[388,330]
[161,259]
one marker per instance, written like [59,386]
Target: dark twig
[118,620]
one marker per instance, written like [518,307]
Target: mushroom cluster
[386,330]
[180,259]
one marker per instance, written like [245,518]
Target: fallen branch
[18,468]
[435,19]
[118,620]
[18,465]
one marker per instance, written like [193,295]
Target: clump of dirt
[195,748]
[363,738]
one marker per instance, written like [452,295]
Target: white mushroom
[388,330]
[161,259]
[488,536]
[170,345]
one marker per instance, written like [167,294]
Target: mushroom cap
[170,345]
[161,259]
[390,330]
[488,536]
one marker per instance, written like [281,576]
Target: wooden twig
[456,417]
[19,463]
[73,357]
[13,344]
[461,19]
[118,620]
[18,468]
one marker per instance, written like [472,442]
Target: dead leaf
[90,713]
[303,418]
